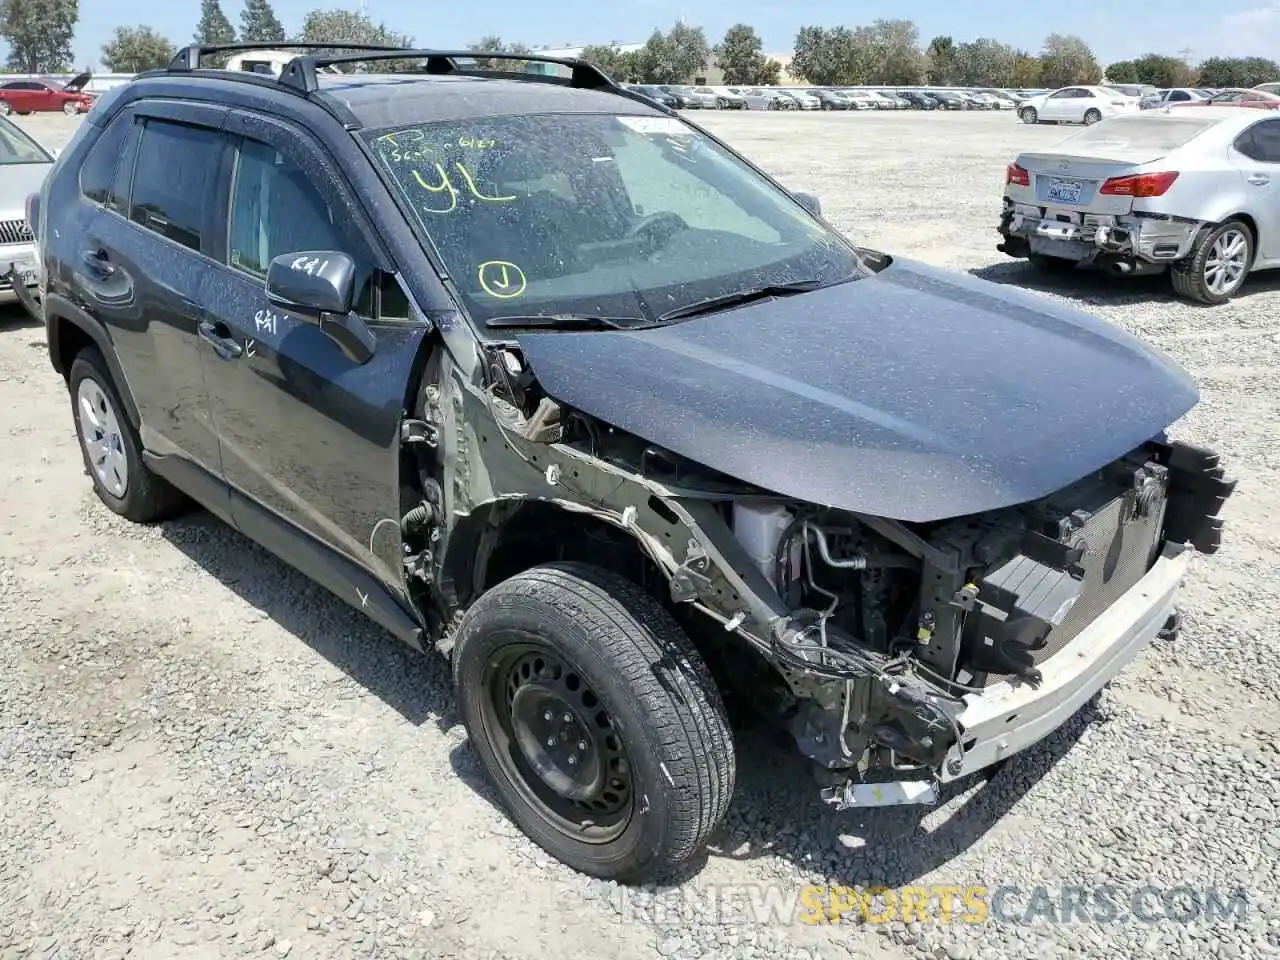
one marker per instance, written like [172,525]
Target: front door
[307,434]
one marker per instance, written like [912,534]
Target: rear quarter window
[98,172]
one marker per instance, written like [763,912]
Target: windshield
[17,147]
[614,216]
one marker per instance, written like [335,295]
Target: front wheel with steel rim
[70,108]
[110,446]
[599,723]
[1217,265]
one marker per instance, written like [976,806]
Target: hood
[916,394]
[77,83]
[17,182]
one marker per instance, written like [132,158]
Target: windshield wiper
[712,304]
[566,321]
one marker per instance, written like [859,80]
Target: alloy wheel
[101,437]
[1226,265]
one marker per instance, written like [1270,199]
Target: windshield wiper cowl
[565,321]
[742,297]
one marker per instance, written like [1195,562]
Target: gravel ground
[203,755]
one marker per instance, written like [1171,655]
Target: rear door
[141,267]
[310,438]
[1257,153]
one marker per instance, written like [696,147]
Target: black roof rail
[188,58]
[300,74]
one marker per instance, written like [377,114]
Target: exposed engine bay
[867,638]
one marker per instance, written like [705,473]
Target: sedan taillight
[1140,185]
[1017,175]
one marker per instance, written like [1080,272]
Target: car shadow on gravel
[415,685]
[1096,286]
[14,319]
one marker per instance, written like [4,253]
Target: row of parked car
[683,97]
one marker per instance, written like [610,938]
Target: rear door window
[1261,142]
[171,183]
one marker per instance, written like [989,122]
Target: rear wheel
[597,720]
[1092,116]
[1028,115]
[111,448]
[1217,266]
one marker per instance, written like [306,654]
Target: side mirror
[319,285]
[809,202]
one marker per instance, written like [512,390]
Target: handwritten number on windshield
[408,147]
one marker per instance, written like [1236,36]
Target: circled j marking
[501,279]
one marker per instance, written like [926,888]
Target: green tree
[675,57]
[984,63]
[350,26]
[134,49]
[740,55]
[888,52]
[214,28]
[622,66]
[492,44]
[1160,71]
[259,24]
[1025,72]
[1238,71]
[825,56]
[39,33]
[1122,71]
[1067,60]
[941,58]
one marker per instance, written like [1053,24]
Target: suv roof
[450,87]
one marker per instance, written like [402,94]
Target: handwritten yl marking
[266,321]
[309,265]
[248,348]
[445,185]
[364,597]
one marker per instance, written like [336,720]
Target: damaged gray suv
[540,375]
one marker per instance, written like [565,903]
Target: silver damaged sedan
[1195,192]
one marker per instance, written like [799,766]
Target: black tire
[146,497]
[1028,115]
[1050,264]
[722,103]
[664,721]
[1190,275]
[1091,117]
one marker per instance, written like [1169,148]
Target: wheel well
[540,532]
[69,340]
[1249,222]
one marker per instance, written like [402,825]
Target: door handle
[1258,179]
[98,264]
[225,346]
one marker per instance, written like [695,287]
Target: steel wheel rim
[70,108]
[101,438]
[1225,267]
[527,692]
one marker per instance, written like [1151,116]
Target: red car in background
[1235,97]
[43,96]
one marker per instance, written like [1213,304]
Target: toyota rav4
[539,375]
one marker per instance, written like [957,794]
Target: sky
[1195,28]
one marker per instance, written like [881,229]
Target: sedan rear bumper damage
[1085,237]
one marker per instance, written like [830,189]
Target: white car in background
[989,100]
[1194,192]
[861,99]
[24,163]
[1077,105]
[807,101]
[761,99]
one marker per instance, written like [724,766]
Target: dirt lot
[203,755]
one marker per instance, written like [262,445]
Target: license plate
[26,271]
[1064,191]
